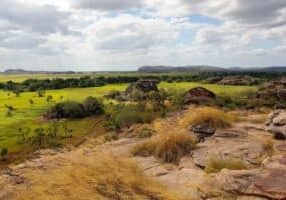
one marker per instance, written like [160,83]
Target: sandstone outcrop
[276,124]
[199,95]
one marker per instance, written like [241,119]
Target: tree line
[88,81]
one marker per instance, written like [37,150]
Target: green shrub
[125,115]
[68,109]
[4,153]
[92,106]
[114,94]
[127,119]
[72,110]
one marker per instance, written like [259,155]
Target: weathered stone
[199,95]
[143,86]
[202,131]
[240,146]
[268,182]
[239,80]
[274,90]
[276,124]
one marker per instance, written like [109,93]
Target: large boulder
[140,89]
[276,124]
[143,86]
[199,95]
[202,131]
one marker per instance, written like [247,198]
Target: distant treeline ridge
[88,81]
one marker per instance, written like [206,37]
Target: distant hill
[203,68]
[22,71]
[200,68]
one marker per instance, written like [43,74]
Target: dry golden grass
[169,144]
[268,146]
[213,117]
[94,179]
[216,164]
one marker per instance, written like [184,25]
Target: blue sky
[124,35]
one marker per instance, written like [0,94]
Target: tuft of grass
[210,116]
[168,145]
[88,179]
[268,147]
[216,164]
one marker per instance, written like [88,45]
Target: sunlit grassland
[28,115]
[217,89]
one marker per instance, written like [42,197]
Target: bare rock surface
[276,124]
[229,143]
[268,181]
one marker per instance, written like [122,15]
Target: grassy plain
[28,115]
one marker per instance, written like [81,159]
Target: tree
[49,98]
[41,93]
[17,92]
[31,102]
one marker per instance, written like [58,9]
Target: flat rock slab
[268,182]
[185,178]
[232,145]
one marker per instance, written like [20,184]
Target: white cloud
[132,33]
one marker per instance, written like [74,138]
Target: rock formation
[274,90]
[239,80]
[143,86]
[276,124]
[199,95]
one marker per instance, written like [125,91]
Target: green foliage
[92,106]
[125,115]
[73,110]
[67,109]
[41,93]
[49,98]
[127,119]
[114,94]
[4,152]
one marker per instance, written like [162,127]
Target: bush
[212,117]
[72,110]
[68,109]
[216,164]
[169,145]
[4,153]
[92,106]
[114,94]
[125,115]
[128,118]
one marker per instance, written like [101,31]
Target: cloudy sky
[124,34]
